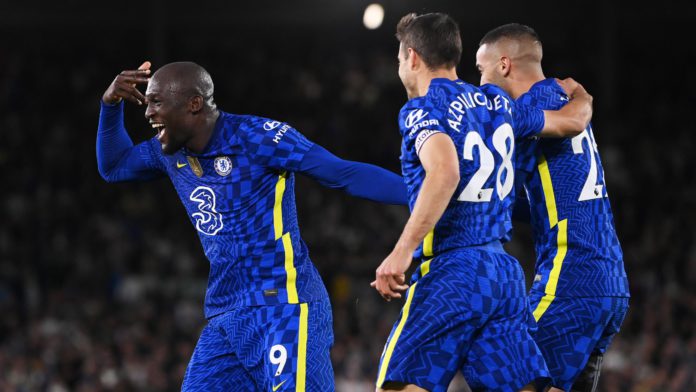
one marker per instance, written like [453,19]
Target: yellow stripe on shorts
[389,350]
[300,385]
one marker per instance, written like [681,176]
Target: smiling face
[167,111]
[489,66]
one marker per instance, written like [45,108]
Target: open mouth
[160,128]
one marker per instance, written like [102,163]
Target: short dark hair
[511,31]
[435,37]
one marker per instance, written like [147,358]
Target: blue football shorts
[571,329]
[467,310]
[265,348]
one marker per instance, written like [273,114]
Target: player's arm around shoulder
[573,118]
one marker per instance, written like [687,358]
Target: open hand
[124,86]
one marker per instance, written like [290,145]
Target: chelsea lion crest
[223,165]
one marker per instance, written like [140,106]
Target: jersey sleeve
[274,144]
[355,178]
[418,121]
[117,158]
[528,120]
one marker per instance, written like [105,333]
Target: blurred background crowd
[102,285]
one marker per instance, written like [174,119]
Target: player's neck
[204,131]
[425,80]
[523,81]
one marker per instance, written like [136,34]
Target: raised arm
[117,158]
[572,118]
[355,178]
[440,161]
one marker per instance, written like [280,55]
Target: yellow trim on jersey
[389,349]
[302,350]
[425,267]
[278,206]
[561,239]
[548,191]
[290,270]
[428,243]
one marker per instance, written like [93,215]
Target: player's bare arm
[125,84]
[572,118]
[440,161]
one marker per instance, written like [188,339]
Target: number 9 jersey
[483,123]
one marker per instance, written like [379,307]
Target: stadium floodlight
[373,16]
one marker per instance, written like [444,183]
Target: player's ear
[413,59]
[196,104]
[504,66]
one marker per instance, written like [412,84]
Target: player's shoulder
[250,123]
[493,89]
[497,95]
[413,112]
[253,128]
[544,91]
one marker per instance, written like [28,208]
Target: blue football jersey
[483,123]
[578,252]
[239,195]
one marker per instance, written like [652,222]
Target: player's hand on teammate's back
[391,275]
[124,86]
[572,88]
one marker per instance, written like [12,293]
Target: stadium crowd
[101,285]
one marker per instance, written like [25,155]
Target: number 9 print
[278,356]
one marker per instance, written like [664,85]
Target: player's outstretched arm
[572,118]
[117,158]
[355,178]
[440,161]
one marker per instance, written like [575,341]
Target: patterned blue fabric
[593,264]
[258,349]
[468,313]
[572,329]
[232,207]
[468,114]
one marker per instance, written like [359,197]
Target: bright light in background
[373,17]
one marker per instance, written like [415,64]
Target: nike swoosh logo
[275,388]
[180,165]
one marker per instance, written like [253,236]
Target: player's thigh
[504,356]
[570,330]
[214,366]
[296,348]
[428,342]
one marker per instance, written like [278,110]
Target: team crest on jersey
[414,117]
[223,165]
[207,220]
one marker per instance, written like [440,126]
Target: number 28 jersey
[483,123]
[578,252]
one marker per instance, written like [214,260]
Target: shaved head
[518,42]
[185,79]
